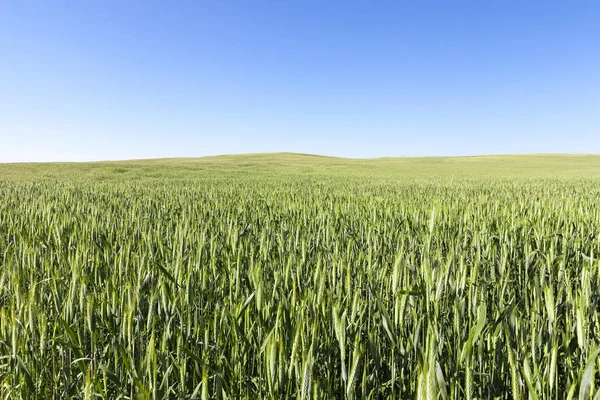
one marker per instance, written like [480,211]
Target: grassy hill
[294,164]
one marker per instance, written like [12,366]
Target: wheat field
[287,276]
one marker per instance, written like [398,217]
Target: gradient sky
[93,80]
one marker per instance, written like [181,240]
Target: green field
[283,276]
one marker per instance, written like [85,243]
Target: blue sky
[93,80]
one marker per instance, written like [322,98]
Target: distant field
[296,276]
[291,164]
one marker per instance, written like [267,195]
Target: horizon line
[296,154]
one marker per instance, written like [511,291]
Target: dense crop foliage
[314,281]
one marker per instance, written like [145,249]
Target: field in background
[296,276]
[486,167]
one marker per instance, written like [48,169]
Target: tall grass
[276,286]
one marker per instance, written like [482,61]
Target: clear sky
[92,80]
